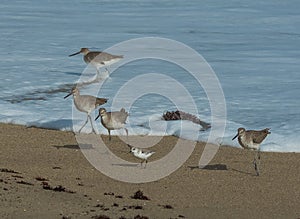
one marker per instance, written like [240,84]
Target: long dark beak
[74,54]
[129,148]
[235,136]
[97,117]
[68,95]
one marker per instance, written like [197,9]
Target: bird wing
[259,136]
[101,56]
[89,101]
[123,111]
[91,56]
[120,116]
[150,152]
[100,101]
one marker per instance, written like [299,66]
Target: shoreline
[44,174]
[154,136]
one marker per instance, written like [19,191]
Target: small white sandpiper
[141,154]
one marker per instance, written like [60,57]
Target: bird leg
[109,137]
[107,70]
[126,130]
[256,168]
[92,124]
[257,157]
[143,162]
[84,124]
[98,76]
[98,72]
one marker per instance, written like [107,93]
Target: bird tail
[267,130]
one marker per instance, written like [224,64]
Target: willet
[97,58]
[86,103]
[252,139]
[113,120]
[142,154]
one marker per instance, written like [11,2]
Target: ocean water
[253,47]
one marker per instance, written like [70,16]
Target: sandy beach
[43,174]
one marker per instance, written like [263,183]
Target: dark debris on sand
[5,170]
[100,217]
[17,176]
[167,206]
[25,183]
[99,206]
[139,195]
[41,178]
[109,193]
[140,217]
[136,207]
[115,205]
[113,194]
[58,188]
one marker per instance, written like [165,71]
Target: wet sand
[43,174]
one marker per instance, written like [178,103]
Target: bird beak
[68,95]
[235,136]
[97,117]
[129,148]
[74,54]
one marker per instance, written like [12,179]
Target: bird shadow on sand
[210,167]
[243,172]
[53,125]
[74,146]
[125,165]
[220,167]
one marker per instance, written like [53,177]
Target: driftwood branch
[180,115]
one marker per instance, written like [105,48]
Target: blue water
[252,46]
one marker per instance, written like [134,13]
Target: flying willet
[113,120]
[252,139]
[86,103]
[97,58]
[142,154]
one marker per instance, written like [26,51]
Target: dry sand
[35,162]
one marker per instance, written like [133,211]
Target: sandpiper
[142,154]
[86,103]
[97,58]
[251,139]
[113,120]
